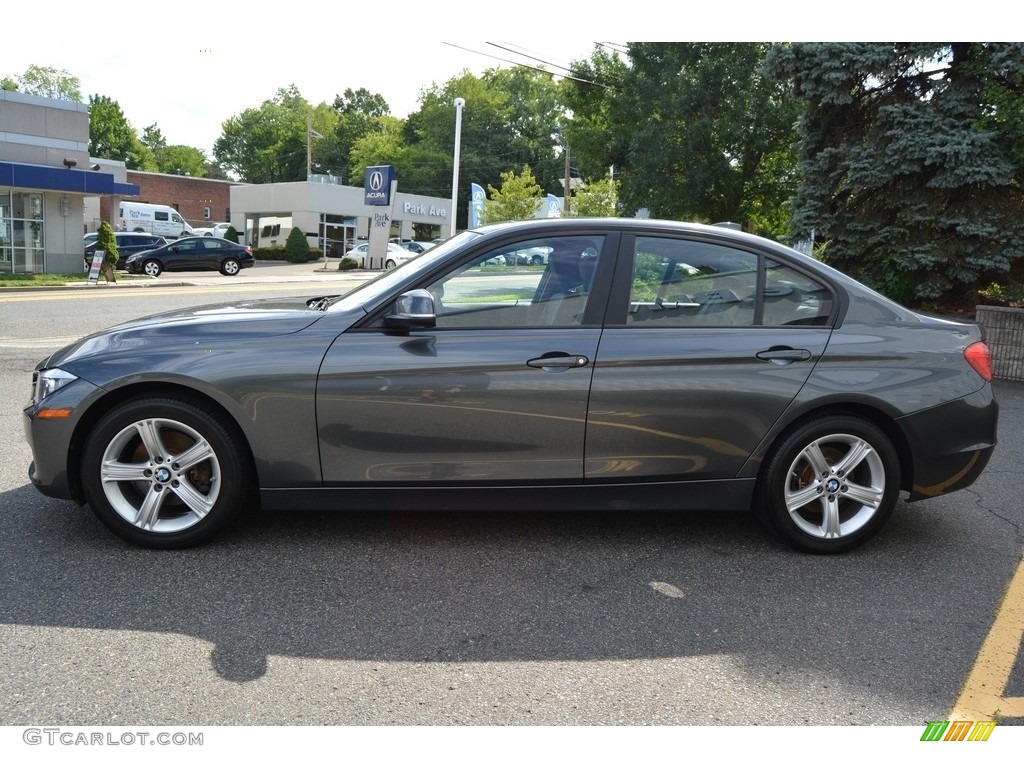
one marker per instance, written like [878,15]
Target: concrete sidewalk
[261,272]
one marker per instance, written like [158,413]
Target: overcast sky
[188,66]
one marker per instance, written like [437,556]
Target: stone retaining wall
[1004,329]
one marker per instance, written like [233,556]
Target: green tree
[383,146]
[106,242]
[597,134]
[153,138]
[112,137]
[231,234]
[269,144]
[46,81]
[597,198]
[181,160]
[517,199]
[177,159]
[695,131]
[911,161]
[511,119]
[358,113]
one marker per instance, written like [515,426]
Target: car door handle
[558,361]
[783,355]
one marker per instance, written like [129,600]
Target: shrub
[106,242]
[231,234]
[296,249]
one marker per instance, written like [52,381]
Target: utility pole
[568,185]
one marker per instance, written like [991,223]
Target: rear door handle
[783,355]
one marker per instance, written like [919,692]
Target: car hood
[215,322]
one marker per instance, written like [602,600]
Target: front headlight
[45,383]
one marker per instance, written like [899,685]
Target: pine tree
[910,162]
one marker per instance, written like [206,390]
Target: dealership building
[52,192]
[46,175]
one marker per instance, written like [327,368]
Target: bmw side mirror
[413,309]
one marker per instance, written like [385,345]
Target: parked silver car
[648,365]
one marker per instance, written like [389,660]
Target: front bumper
[52,441]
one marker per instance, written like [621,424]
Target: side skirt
[705,495]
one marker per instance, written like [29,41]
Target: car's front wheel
[830,484]
[165,472]
[152,268]
[230,267]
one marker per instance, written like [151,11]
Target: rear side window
[688,282]
[683,283]
[793,298]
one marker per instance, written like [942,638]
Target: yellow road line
[984,693]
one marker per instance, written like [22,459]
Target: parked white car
[396,255]
[217,230]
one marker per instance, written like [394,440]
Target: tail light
[980,359]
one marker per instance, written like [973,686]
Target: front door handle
[554,362]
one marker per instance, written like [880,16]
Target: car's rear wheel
[230,267]
[165,472]
[830,484]
[152,268]
[390,264]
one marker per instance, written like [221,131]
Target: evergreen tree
[296,247]
[910,161]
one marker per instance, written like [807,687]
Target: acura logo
[376,181]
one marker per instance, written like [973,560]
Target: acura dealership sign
[377,187]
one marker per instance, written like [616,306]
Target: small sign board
[96,266]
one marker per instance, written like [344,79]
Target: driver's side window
[533,283]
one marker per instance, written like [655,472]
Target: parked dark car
[648,365]
[189,254]
[128,243]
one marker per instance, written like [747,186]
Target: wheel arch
[115,397]
[873,414]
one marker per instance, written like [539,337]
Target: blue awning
[47,177]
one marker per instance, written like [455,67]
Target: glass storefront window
[21,231]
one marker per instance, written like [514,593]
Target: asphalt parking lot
[498,617]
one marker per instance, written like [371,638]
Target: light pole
[459,104]
[310,135]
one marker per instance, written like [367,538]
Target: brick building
[200,202]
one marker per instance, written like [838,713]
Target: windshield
[385,282]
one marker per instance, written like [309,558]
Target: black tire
[830,484]
[165,472]
[230,267]
[390,264]
[153,268]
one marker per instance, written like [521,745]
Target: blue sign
[554,207]
[476,204]
[377,186]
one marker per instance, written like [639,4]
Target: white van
[158,219]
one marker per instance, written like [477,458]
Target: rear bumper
[951,443]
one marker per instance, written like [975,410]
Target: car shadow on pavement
[507,585]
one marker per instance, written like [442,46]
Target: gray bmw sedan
[639,365]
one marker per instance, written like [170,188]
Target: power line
[530,66]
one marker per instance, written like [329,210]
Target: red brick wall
[184,193]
